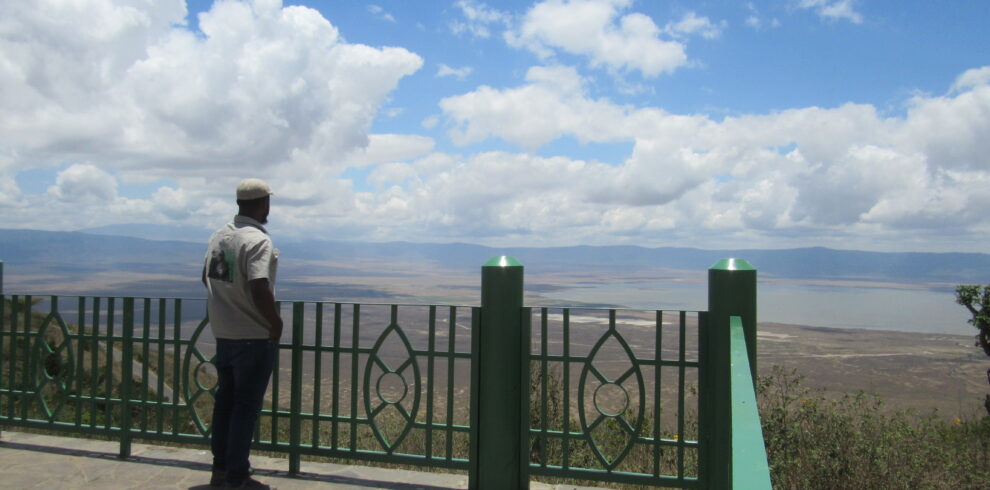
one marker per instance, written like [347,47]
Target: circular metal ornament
[392,375]
[615,389]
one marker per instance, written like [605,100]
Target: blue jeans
[243,368]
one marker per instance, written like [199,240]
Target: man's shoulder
[221,232]
[250,237]
[252,232]
[239,234]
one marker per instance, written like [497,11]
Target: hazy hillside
[83,250]
[67,253]
[797,263]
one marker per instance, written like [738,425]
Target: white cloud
[174,203]
[756,20]
[833,10]
[430,122]
[458,73]
[692,24]
[84,183]
[262,90]
[10,193]
[384,148]
[825,171]
[130,95]
[595,29]
[379,12]
[971,79]
[477,19]
[551,105]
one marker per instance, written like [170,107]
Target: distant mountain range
[87,251]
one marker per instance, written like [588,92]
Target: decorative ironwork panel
[396,389]
[612,395]
[54,365]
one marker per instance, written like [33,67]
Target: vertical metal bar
[452,326]
[145,362]
[177,368]
[355,342]
[28,371]
[11,359]
[295,398]
[3,333]
[566,463]
[22,338]
[498,446]
[430,354]
[680,394]
[544,389]
[705,401]
[473,455]
[526,355]
[53,310]
[94,359]
[13,398]
[335,402]
[127,377]
[160,405]
[108,374]
[80,329]
[275,391]
[317,375]
[657,387]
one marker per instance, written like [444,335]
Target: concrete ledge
[45,461]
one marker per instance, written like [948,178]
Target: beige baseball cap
[250,189]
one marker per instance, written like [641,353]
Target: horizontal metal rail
[749,454]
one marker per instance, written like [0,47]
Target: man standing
[239,275]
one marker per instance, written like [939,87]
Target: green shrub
[853,442]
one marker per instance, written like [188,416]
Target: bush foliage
[855,442]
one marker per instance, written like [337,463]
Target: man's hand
[276,331]
[263,298]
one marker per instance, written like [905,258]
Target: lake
[875,308]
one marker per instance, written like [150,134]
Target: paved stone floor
[44,461]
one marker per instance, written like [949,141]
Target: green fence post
[731,292]
[295,400]
[499,392]
[2,302]
[127,378]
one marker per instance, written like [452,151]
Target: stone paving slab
[45,461]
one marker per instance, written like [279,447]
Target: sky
[849,124]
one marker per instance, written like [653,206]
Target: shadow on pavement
[206,467]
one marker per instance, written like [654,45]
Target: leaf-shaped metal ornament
[377,397]
[611,400]
[53,364]
[192,385]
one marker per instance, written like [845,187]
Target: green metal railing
[612,395]
[329,396]
[631,375]
[749,453]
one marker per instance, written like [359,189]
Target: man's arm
[204,277]
[265,301]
